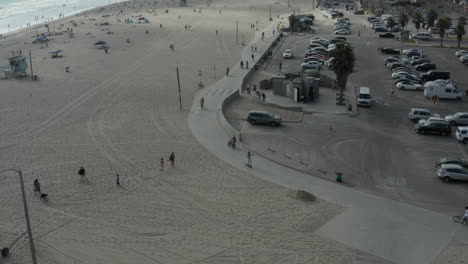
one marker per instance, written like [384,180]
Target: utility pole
[26,215]
[237,32]
[31,66]
[178,83]
[270,14]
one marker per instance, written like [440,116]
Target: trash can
[339,176]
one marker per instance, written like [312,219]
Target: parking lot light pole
[26,215]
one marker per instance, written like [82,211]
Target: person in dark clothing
[37,187]
[82,173]
[172,159]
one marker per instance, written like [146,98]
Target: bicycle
[458,218]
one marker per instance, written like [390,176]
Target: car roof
[258,111]
[451,166]
[463,128]
[419,109]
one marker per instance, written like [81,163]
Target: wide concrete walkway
[392,230]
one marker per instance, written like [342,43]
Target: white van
[364,97]
[422,35]
[442,92]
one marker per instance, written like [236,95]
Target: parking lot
[378,150]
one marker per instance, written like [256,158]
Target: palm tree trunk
[458,43]
[341,82]
[442,41]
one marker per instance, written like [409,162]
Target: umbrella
[100,43]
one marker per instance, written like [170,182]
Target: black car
[426,67]
[387,35]
[395,65]
[380,29]
[413,53]
[460,162]
[433,127]
[390,51]
[391,60]
[420,61]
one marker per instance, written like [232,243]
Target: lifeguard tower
[16,68]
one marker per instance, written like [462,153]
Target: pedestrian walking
[263,97]
[202,102]
[393,91]
[37,187]
[117,179]
[242,64]
[172,159]
[246,64]
[227,71]
[147,32]
[280,66]
[253,57]
[82,173]
[252,47]
[255,47]
[263,35]
[216,32]
[161,163]
[249,160]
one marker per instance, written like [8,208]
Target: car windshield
[364,96]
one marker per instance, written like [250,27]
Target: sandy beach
[118,112]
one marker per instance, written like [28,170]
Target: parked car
[342,32]
[426,67]
[389,51]
[312,59]
[460,162]
[311,65]
[409,80]
[414,53]
[395,65]
[359,12]
[442,92]
[419,61]
[408,85]
[396,75]
[450,172]
[461,53]
[416,114]
[435,75]
[422,35]
[433,127]
[460,118]
[461,134]
[263,117]
[380,29]
[387,35]
[288,54]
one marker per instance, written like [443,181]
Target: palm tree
[462,20]
[444,24]
[343,64]
[403,19]
[391,23]
[417,20]
[431,17]
[460,30]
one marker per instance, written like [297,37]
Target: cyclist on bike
[465,217]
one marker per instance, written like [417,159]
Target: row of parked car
[462,56]
[380,24]
[428,122]
[436,82]
[342,26]
[319,52]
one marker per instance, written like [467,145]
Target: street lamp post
[26,215]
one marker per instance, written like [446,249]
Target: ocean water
[15,14]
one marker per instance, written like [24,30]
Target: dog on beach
[44,196]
